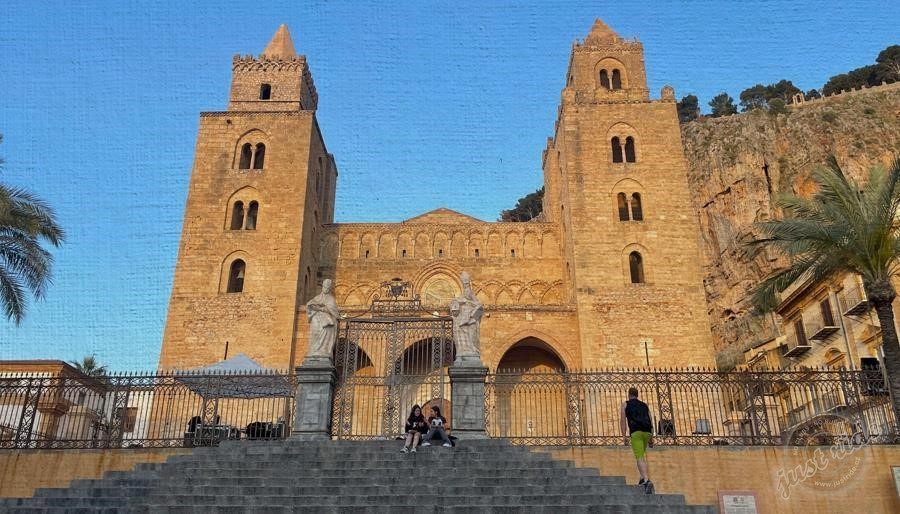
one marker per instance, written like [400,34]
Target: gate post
[315,386]
[467,395]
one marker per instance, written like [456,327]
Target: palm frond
[841,227]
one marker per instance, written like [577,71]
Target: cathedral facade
[608,276]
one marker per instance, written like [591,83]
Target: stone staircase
[295,476]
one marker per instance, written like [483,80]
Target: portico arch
[531,354]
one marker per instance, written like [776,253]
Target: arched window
[236,276]
[622,203]
[616,79]
[512,253]
[265,92]
[477,253]
[237,216]
[259,156]
[637,213]
[616,149]
[246,156]
[629,149]
[636,265]
[252,213]
[604,78]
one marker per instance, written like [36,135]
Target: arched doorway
[385,364]
[530,355]
[530,393]
[422,376]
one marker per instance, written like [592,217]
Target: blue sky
[424,104]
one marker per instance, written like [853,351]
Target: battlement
[276,80]
[621,45]
[800,101]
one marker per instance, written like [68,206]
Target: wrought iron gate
[385,365]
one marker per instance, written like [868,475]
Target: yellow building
[609,275]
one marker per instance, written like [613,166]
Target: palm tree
[843,228]
[89,367]
[25,221]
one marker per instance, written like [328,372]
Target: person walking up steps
[635,420]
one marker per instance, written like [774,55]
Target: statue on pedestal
[466,311]
[322,312]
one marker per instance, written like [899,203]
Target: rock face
[738,165]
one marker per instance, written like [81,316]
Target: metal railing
[796,344]
[689,407]
[854,301]
[143,410]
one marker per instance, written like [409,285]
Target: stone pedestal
[315,382]
[467,389]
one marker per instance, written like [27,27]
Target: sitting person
[436,424]
[415,427]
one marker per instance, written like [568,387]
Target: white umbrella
[237,377]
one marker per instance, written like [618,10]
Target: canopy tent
[237,377]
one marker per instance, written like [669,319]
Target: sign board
[737,502]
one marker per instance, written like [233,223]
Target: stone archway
[530,355]
[530,392]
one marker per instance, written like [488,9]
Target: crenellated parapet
[800,101]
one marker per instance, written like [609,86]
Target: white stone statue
[467,311]
[322,312]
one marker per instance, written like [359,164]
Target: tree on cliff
[760,96]
[722,105]
[688,109]
[888,63]
[528,207]
[842,228]
[25,222]
[853,79]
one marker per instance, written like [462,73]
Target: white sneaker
[413,449]
[447,445]
[426,443]
[405,449]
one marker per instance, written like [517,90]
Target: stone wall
[23,471]
[700,473]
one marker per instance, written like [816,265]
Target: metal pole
[226,351]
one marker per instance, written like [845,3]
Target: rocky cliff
[738,165]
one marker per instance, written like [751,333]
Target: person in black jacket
[415,427]
[635,420]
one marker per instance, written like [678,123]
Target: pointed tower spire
[601,33]
[281,45]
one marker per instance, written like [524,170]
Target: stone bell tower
[261,187]
[616,183]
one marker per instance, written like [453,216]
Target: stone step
[415,501]
[413,461]
[446,473]
[379,509]
[287,481]
[399,488]
[345,476]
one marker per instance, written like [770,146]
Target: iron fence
[692,407]
[143,410]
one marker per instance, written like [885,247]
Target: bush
[829,116]
[777,106]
